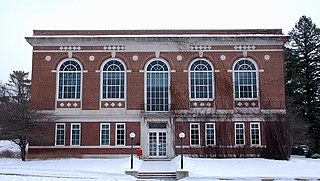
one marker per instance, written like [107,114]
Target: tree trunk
[23,153]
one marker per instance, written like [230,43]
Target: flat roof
[157,32]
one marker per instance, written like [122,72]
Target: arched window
[69,80]
[201,80]
[245,80]
[157,86]
[113,80]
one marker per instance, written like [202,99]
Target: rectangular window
[194,134]
[255,133]
[75,134]
[104,134]
[60,134]
[120,134]
[210,134]
[239,134]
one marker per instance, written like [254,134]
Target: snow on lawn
[199,169]
[252,168]
[65,169]
[14,169]
[9,147]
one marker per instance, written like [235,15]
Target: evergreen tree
[18,122]
[303,74]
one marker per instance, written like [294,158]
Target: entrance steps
[156,175]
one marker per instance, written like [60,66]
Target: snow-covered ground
[199,169]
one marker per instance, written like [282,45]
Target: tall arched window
[157,86]
[201,80]
[245,80]
[113,80]
[69,80]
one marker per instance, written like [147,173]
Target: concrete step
[156,175]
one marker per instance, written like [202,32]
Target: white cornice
[180,42]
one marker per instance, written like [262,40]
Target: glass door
[157,144]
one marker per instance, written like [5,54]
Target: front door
[157,144]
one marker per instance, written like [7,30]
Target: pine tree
[303,74]
[18,122]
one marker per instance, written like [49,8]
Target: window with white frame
[120,134]
[201,80]
[255,133]
[113,80]
[210,134]
[104,134]
[239,134]
[69,83]
[157,86]
[194,134]
[75,134]
[60,134]
[245,80]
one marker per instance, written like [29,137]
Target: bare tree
[18,122]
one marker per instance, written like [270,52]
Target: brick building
[213,85]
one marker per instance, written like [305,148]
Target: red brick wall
[271,81]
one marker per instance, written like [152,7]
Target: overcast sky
[18,19]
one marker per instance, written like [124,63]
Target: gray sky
[18,19]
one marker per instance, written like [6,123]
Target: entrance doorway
[157,144]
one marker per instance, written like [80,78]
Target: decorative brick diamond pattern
[200,47]
[114,47]
[68,104]
[202,104]
[113,104]
[246,104]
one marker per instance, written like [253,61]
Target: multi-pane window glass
[210,134]
[239,133]
[75,134]
[113,73]
[121,134]
[245,80]
[105,134]
[201,83]
[255,133]
[194,134]
[157,86]
[60,134]
[69,80]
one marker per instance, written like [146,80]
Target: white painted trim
[145,82]
[235,133]
[101,82]
[116,136]
[259,134]
[213,80]
[64,130]
[129,70]
[101,124]
[57,82]
[261,70]
[257,77]
[71,129]
[216,71]
[186,71]
[214,136]
[54,71]
[141,71]
[198,124]
[85,71]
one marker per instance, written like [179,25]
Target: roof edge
[159,32]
